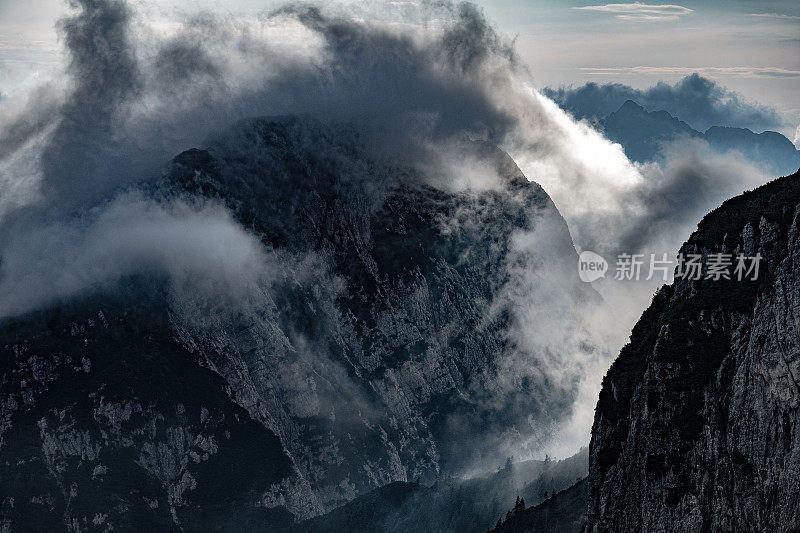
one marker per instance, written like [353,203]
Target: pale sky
[751,47]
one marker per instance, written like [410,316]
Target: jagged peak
[631,107]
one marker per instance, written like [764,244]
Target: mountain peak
[631,107]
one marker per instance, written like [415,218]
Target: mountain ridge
[643,134]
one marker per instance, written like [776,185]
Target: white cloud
[740,72]
[640,11]
[775,16]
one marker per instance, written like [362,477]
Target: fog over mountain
[266,177]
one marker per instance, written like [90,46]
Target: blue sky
[749,46]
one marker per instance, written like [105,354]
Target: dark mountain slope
[468,505]
[696,425]
[372,512]
[563,512]
[107,421]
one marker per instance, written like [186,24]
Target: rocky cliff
[386,346]
[698,423]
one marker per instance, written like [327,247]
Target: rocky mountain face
[107,422]
[697,425]
[386,347]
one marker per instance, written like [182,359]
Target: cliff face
[698,423]
[379,352]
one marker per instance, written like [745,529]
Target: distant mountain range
[643,135]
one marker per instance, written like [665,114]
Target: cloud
[84,217]
[640,11]
[697,100]
[132,234]
[775,16]
[739,72]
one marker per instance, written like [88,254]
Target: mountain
[563,512]
[775,151]
[696,427]
[375,511]
[469,505]
[643,135]
[385,348]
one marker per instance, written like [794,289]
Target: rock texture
[107,423]
[698,423]
[386,346]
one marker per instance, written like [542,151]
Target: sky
[750,47]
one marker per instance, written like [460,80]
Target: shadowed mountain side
[563,512]
[106,421]
[370,513]
[450,504]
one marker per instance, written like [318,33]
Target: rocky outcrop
[698,423]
